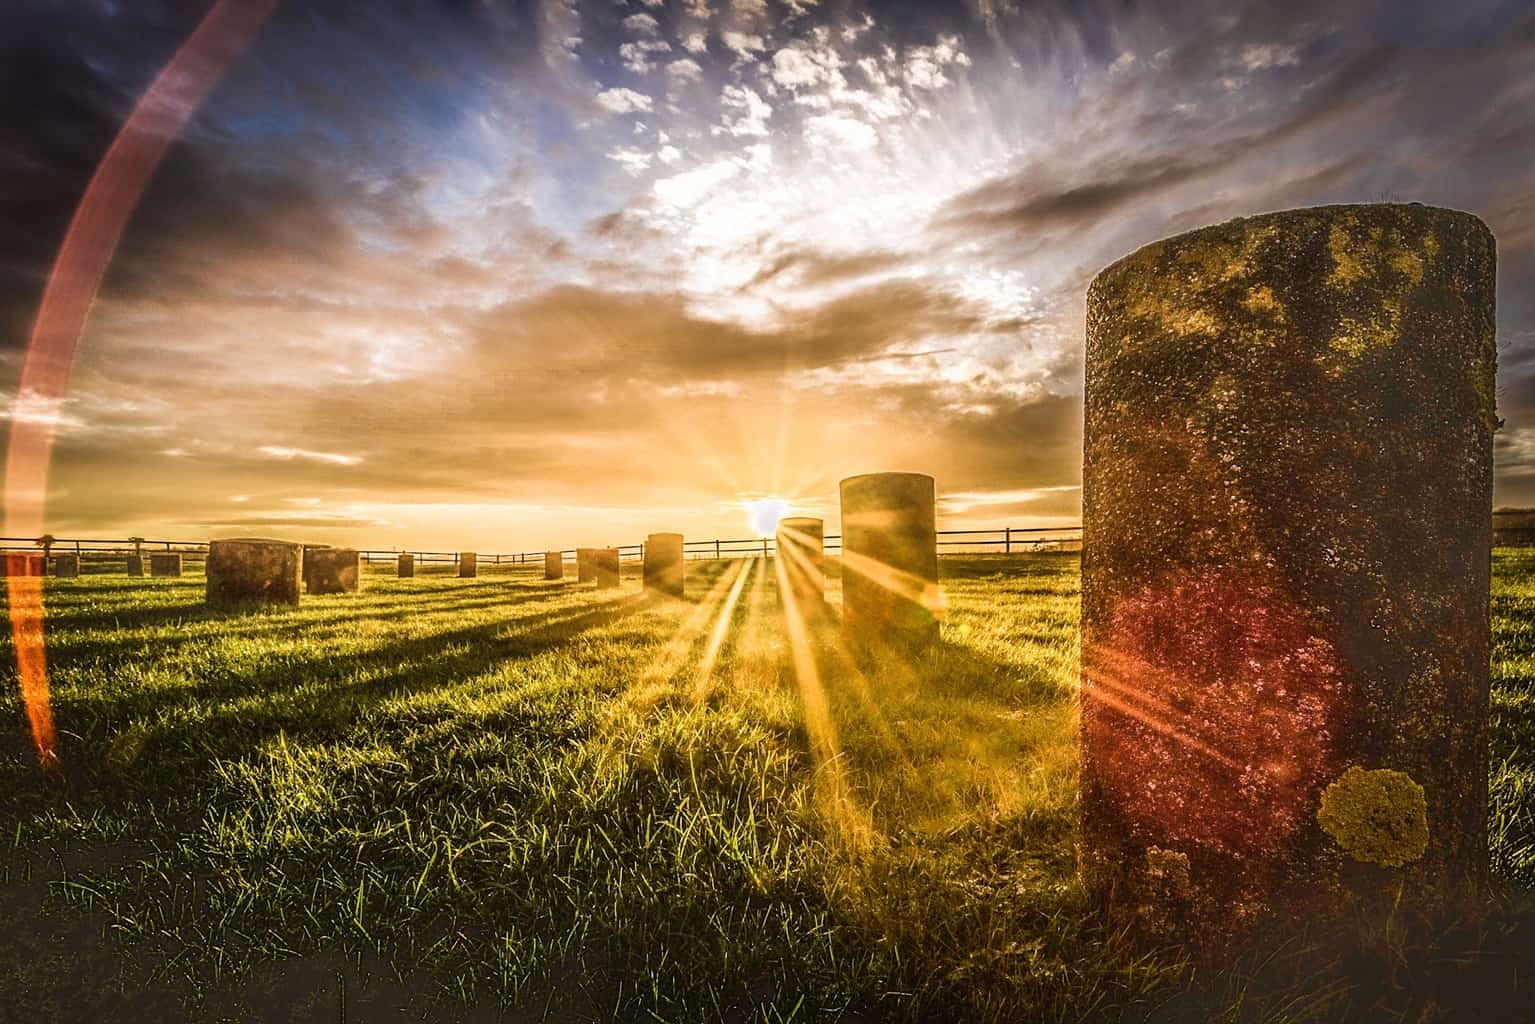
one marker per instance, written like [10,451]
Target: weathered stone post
[554,565]
[890,592]
[1286,502]
[605,567]
[405,566]
[332,570]
[165,563]
[468,565]
[17,564]
[252,571]
[66,566]
[135,565]
[801,548]
[663,569]
[586,565]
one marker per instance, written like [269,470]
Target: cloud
[683,71]
[624,101]
[283,452]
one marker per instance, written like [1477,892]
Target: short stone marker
[586,565]
[664,569]
[165,563]
[605,567]
[66,566]
[468,565]
[253,571]
[890,592]
[554,565]
[18,564]
[332,570]
[801,549]
[405,566]
[1287,496]
[135,565]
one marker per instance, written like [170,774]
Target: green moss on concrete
[1377,815]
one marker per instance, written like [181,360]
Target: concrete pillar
[554,565]
[252,571]
[468,565]
[165,563]
[405,566]
[586,565]
[664,568]
[135,565]
[18,564]
[66,566]
[332,570]
[1287,490]
[605,567]
[890,588]
[801,548]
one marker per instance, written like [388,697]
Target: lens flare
[764,514]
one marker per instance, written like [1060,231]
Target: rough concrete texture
[253,571]
[605,567]
[586,565]
[664,568]
[890,590]
[801,548]
[405,566]
[165,564]
[332,570]
[554,565]
[135,565]
[66,566]
[1287,491]
[468,564]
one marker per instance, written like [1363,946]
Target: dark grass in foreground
[444,796]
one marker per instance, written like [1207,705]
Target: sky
[516,275]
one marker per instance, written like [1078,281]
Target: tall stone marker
[554,565]
[405,567]
[801,548]
[66,566]
[165,563]
[135,565]
[890,592]
[332,570]
[664,568]
[468,565]
[1287,492]
[605,567]
[586,565]
[253,572]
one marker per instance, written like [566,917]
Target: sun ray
[927,593]
[738,575]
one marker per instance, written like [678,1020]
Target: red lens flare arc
[94,230]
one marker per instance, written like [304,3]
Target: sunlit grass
[505,789]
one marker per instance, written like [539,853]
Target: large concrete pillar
[890,559]
[605,567]
[801,548]
[468,564]
[405,567]
[165,563]
[253,571]
[332,570]
[66,566]
[586,565]
[664,568]
[1286,502]
[554,565]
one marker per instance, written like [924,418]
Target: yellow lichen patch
[1173,316]
[1378,815]
[1356,337]
[1346,265]
[1262,300]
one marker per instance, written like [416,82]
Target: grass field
[509,799]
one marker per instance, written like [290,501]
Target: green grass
[442,797]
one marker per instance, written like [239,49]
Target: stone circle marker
[554,565]
[17,564]
[253,571]
[664,569]
[135,565]
[468,565]
[332,570]
[801,548]
[890,559]
[1287,496]
[586,565]
[605,568]
[165,563]
[66,566]
[405,566]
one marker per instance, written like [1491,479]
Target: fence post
[1007,542]
[716,550]
[764,547]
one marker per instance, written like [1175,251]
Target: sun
[764,514]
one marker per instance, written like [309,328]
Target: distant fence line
[1004,540]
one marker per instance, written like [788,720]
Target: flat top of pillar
[866,478]
[665,536]
[251,540]
[1281,222]
[800,521]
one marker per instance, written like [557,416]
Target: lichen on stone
[1378,815]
